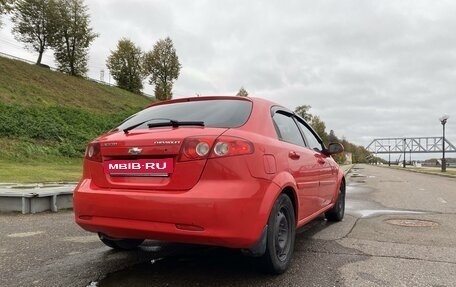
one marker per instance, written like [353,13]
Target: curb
[33,200]
[418,171]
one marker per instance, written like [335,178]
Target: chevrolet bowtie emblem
[135,150]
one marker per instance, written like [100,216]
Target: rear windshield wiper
[176,124]
[126,130]
[167,123]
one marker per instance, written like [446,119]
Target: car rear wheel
[280,236]
[337,212]
[120,244]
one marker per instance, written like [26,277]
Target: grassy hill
[25,84]
[48,117]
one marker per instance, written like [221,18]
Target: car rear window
[214,113]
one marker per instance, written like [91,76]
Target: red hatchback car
[227,171]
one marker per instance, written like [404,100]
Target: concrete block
[33,200]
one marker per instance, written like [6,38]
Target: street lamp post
[443,121]
[389,155]
[404,155]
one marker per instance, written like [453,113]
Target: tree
[72,37]
[320,127]
[303,112]
[162,64]
[332,138]
[33,24]
[124,65]
[242,93]
[314,121]
[359,153]
[5,7]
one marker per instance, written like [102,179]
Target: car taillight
[195,148]
[93,152]
[231,146]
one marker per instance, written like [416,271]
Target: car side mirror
[334,148]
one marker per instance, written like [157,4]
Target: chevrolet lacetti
[235,172]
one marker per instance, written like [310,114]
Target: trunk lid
[150,145]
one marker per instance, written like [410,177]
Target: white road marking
[441,200]
[25,234]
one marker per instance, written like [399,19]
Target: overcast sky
[369,69]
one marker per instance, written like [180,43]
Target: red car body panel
[222,201]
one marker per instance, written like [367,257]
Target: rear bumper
[215,212]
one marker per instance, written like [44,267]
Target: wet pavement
[398,231]
[360,204]
[322,250]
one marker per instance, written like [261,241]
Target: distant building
[348,158]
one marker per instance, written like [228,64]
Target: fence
[56,70]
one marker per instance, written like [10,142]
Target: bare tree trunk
[40,56]
[40,52]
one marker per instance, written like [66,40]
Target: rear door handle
[294,155]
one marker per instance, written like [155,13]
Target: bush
[57,131]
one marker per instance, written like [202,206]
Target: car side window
[311,140]
[287,129]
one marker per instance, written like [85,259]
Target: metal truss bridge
[410,145]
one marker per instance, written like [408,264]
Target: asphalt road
[399,230]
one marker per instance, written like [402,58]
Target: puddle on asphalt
[153,261]
[357,206]
[356,183]
[357,168]
[365,213]
[152,248]
[357,175]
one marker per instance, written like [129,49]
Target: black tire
[337,213]
[121,244]
[280,236]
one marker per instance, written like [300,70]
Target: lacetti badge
[140,166]
[135,150]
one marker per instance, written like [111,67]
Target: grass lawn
[40,171]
